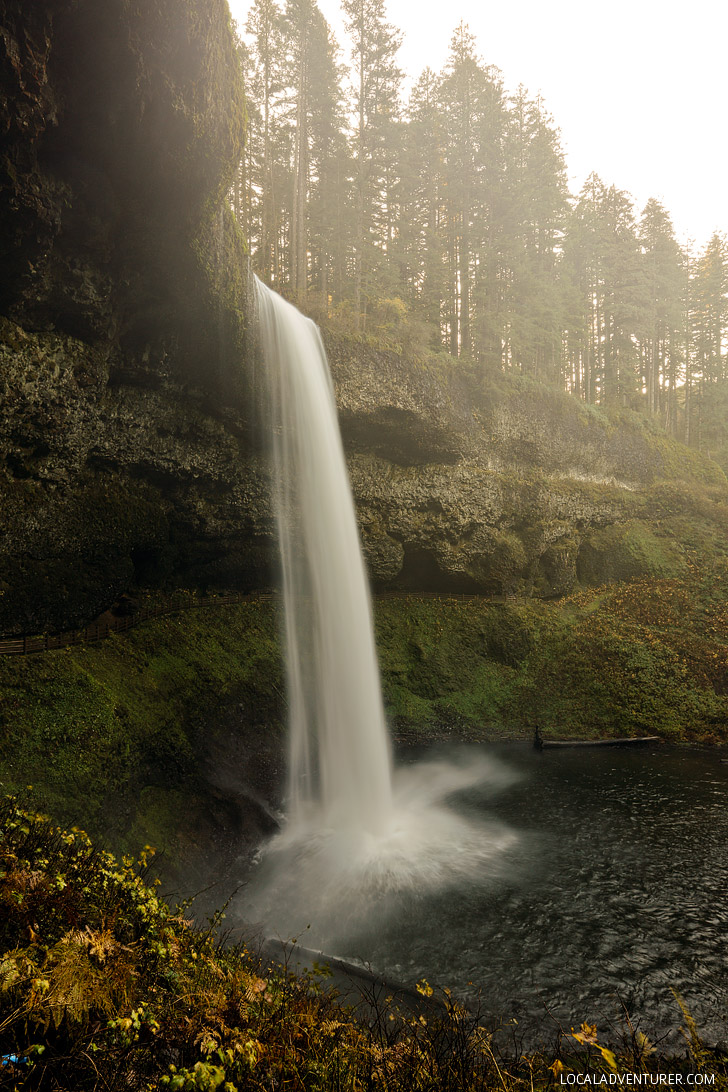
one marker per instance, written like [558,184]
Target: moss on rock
[120,736]
[625,552]
[628,660]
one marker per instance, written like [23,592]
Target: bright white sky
[637,87]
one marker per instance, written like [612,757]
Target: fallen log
[634,741]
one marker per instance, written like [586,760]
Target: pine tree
[711,310]
[709,290]
[264,79]
[298,30]
[533,222]
[661,340]
[420,245]
[329,230]
[602,266]
[471,98]
[459,206]
[376,92]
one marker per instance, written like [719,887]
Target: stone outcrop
[502,486]
[115,480]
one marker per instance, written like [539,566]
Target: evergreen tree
[709,291]
[376,91]
[602,260]
[471,98]
[265,84]
[458,206]
[329,229]
[711,310]
[298,27]
[533,223]
[420,241]
[661,333]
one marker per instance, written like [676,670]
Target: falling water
[354,831]
[339,751]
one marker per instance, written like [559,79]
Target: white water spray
[353,831]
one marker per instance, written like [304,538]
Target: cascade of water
[355,835]
[339,752]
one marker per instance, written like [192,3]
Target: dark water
[614,894]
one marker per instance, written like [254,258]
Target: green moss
[110,734]
[114,735]
[627,551]
[634,661]
[683,463]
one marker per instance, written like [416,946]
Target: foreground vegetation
[103,985]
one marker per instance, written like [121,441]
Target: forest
[440,219]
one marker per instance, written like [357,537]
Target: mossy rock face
[627,552]
[83,546]
[466,483]
[108,484]
[125,123]
[527,483]
[556,573]
[171,733]
[123,291]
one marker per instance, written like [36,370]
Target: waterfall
[356,837]
[339,761]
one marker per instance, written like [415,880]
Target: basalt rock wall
[124,408]
[500,485]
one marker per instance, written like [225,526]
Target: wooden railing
[97,631]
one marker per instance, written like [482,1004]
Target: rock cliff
[502,486]
[122,289]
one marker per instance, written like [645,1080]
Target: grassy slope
[638,659]
[110,735]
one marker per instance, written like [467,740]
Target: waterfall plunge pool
[584,883]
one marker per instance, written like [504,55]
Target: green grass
[625,660]
[115,735]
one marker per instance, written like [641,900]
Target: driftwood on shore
[635,741]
